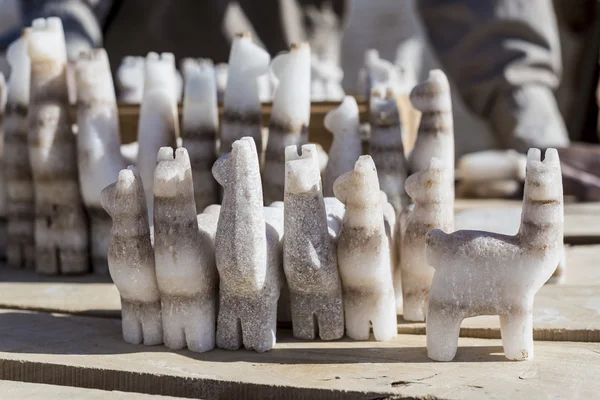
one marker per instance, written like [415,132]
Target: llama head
[383,108]
[173,174]
[431,185]
[243,160]
[302,173]
[543,181]
[343,119]
[359,186]
[47,41]
[130,74]
[159,72]
[246,58]
[433,94]
[125,197]
[94,79]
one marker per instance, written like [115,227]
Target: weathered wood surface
[89,352]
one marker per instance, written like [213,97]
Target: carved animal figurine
[98,145]
[20,204]
[326,80]
[242,112]
[159,123]
[343,123]
[130,80]
[185,257]
[61,228]
[248,254]
[377,73]
[309,252]
[200,126]
[290,116]
[364,255]
[483,273]
[386,146]
[131,259]
[430,190]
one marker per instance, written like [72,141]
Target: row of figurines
[216,278]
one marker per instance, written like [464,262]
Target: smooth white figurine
[61,228]
[364,255]
[376,73]
[159,122]
[242,112]
[20,204]
[131,259]
[290,116]
[185,257]
[483,273]
[248,254]
[98,145]
[309,251]
[343,123]
[431,192]
[386,147]
[200,125]
[130,80]
[326,80]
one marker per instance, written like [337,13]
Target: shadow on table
[8,274]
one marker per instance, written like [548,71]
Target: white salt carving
[326,80]
[61,229]
[185,256]
[376,73]
[131,259]
[364,255]
[130,80]
[482,273]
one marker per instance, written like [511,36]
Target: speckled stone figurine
[98,145]
[290,116]
[346,147]
[185,257]
[386,148]
[242,112]
[248,254]
[430,190]
[483,273]
[309,252]
[364,255]
[131,259]
[61,228]
[130,80]
[200,126]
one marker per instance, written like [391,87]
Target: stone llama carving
[185,257]
[364,255]
[61,229]
[130,80]
[248,254]
[309,251]
[131,259]
[98,145]
[483,273]
[430,190]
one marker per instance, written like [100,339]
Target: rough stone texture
[131,259]
[481,273]
[200,126]
[185,256]
[364,255]
[289,118]
[248,254]
[61,228]
[159,123]
[241,105]
[309,251]
[98,145]
[20,204]
[130,80]
[386,148]
[343,123]
[430,191]
[326,81]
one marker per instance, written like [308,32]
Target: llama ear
[164,154]
[220,169]
[534,155]
[182,156]
[551,157]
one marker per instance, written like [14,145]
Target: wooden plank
[88,352]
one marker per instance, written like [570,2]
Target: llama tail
[436,244]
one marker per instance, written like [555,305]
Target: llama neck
[361,215]
[542,222]
[439,214]
[305,214]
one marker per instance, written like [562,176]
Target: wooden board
[88,352]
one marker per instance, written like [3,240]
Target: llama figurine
[483,273]
[242,112]
[98,145]
[130,80]
[364,255]
[290,116]
[185,257]
[131,259]
[248,254]
[343,123]
[309,252]
[61,228]
[430,190]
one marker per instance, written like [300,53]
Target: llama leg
[415,304]
[303,320]
[385,324]
[132,328]
[260,325]
[357,320]
[443,328]
[173,332]
[200,324]
[330,317]
[229,329]
[150,316]
[517,335]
